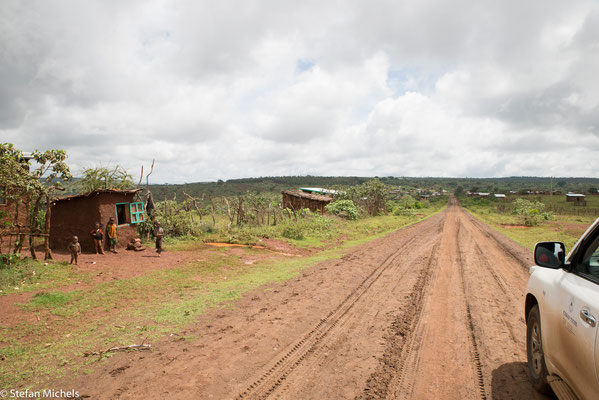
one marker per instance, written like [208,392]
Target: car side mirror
[550,254]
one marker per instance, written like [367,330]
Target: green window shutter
[137,212]
[140,210]
[133,213]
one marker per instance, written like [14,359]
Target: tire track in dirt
[274,382]
[441,358]
[400,337]
[466,338]
[473,339]
[495,282]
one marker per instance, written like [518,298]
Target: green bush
[401,211]
[344,209]
[294,231]
[532,213]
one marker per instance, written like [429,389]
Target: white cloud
[217,90]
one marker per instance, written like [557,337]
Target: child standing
[75,249]
[159,234]
[111,232]
[98,237]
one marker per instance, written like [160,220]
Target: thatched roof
[97,192]
[304,195]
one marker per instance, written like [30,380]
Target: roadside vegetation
[531,219]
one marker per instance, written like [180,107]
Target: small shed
[499,196]
[77,215]
[576,198]
[297,200]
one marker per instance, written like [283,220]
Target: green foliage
[532,212]
[370,196]
[20,178]
[344,209]
[274,185]
[177,219]
[407,205]
[104,178]
[294,231]
[9,259]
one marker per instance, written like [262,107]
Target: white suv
[561,311]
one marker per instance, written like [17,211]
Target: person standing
[75,249]
[98,237]
[158,234]
[111,232]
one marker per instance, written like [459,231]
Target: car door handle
[588,318]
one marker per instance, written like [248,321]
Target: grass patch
[565,228]
[52,299]
[27,275]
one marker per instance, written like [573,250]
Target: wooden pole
[48,252]
[551,194]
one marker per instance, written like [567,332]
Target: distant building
[318,190]
[77,215]
[299,199]
[500,196]
[576,198]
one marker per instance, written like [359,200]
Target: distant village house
[300,199]
[576,198]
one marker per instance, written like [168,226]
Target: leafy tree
[370,195]
[459,191]
[104,178]
[38,184]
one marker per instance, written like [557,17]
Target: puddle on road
[215,244]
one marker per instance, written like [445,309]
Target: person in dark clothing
[158,234]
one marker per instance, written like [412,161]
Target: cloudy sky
[229,89]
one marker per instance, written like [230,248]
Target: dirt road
[433,311]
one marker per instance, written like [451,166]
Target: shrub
[344,209]
[294,231]
[533,213]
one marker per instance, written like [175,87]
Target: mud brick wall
[77,217]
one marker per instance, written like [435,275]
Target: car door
[577,331]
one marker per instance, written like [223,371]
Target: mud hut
[576,198]
[297,200]
[77,215]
